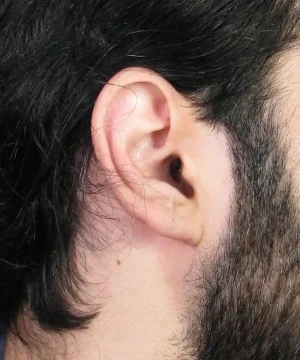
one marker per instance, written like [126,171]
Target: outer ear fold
[139,129]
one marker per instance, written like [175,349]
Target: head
[149,182]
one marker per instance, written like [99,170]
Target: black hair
[55,57]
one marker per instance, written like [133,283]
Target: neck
[139,309]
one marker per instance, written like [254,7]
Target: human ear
[145,137]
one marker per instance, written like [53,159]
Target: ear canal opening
[175,169]
[178,181]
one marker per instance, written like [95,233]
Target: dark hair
[54,59]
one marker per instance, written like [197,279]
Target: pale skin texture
[142,267]
[287,81]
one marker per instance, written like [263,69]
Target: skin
[157,283]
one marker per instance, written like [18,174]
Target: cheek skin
[217,186]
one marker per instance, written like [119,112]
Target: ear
[144,134]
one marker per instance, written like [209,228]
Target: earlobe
[137,129]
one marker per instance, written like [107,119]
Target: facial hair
[252,288]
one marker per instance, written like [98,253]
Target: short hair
[55,57]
